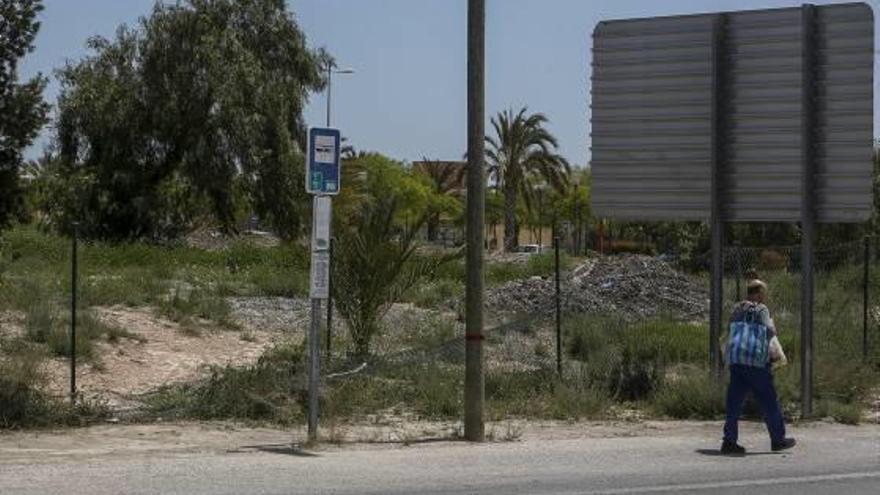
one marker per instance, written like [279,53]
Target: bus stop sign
[322,161]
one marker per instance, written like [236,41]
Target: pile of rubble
[630,286]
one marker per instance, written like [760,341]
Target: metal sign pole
[314,368]
[319,289]
[322,180]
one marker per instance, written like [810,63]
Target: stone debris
[630,286]
[274,314]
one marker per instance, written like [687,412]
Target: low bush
[45,324]
[24,402]
[689,396]
[270,390]
[435,293]
[844,413]
[573,402]
[629,360]
[184,306]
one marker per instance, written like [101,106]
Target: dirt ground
[167,354]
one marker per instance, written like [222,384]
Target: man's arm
[767,321]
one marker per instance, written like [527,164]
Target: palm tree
[521,155]
[446,178]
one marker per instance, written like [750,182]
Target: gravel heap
[631,286]
[274,314]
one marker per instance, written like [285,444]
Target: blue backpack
[749,341]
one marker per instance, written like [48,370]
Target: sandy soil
[166,354]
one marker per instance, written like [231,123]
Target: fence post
[739,271]
[558,311]
[330,299]
[867,263]
[73,286]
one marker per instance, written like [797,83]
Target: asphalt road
[830,459]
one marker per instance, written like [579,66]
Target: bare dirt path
[167,354]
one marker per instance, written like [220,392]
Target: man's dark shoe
[784,444]
[730,448]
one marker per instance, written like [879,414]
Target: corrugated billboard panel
[652,126]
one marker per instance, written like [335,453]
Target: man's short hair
[756,287]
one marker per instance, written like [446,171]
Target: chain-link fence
[218,331]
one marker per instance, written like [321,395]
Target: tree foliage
[197,110]
[22,109]
[446,179]
[381,209]
[521,155]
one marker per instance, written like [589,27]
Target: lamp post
[331,69]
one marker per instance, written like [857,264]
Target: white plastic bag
[777,355]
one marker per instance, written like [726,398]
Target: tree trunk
[433,228]
[511,225]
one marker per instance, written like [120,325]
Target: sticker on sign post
[323,160]
[320,276]
[321,228]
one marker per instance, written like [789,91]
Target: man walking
[752,348]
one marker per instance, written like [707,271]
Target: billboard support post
[808,216]
[717,219]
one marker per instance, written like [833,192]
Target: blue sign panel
[322,161]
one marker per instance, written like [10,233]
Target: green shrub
[45,324]
[628,359]
[273,282]
[658,339]
[435,293]
[186,305]
[22,401]
[269,390]
[844,413]
[691,396]
[572,402]
[633,377]
[844,379]
[537,265]
[438,393]
[41,320]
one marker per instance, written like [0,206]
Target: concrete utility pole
[474,428]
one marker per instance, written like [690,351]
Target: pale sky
[407,98]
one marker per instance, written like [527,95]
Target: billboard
[771,104]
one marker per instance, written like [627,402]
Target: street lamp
[330,71]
